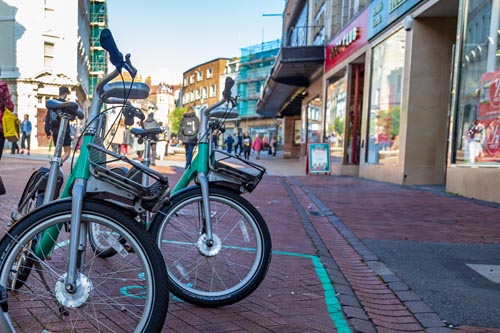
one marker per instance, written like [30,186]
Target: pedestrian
[26,129]
[274,143]
[257,146]
[150,122]
[14,148]
[138,146]
[229,143]
[53,122]
[127,141]
[188,133]
[238,146]
[247,146]
[5,102]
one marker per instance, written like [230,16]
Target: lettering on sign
[377,16]
[344,42]
[393,4]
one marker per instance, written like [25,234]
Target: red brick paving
[291,298]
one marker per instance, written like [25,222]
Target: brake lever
[129,67]
[234,101]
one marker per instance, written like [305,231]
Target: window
[204,93]
[314,117]
[211,91]
[336,104]
[477,116]
[385,100]
[185,82]
[199,76]
[48,55]
[210,73]
[191,79]
[198,94]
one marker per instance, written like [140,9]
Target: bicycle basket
[100,167]
[235,172]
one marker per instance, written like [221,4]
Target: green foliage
[174,119]
[396,116]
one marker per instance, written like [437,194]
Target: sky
[168,37]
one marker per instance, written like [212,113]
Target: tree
[174,119]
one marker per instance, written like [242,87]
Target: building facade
[201,85]
[46,44]
[406,91]
[255,65]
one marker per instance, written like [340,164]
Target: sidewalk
[349,255]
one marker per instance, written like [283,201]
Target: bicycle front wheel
[126,293]
[225,272]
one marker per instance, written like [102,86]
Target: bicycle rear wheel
[126,293]
[221,274]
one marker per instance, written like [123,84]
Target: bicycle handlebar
[226,96]
[227,88]
[108,43]
[115,56]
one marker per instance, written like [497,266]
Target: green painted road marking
[332,303]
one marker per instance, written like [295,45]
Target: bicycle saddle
[69,108]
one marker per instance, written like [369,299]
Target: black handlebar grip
[108,43]
[227,88]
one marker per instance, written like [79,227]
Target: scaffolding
[98,59]
[256,63]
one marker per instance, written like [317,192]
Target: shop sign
[318,158]
[351,39]
[382,13]
[489,116]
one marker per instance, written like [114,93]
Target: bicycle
[54,281]
[45,184]
[216,244]
[204,220]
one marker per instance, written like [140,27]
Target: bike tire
[127,293]
[227,272]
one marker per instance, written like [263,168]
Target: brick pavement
[320,263]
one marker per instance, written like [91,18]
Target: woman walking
[247,146]
[257,145]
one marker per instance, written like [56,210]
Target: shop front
[474,168]
[406,108]
[344,87]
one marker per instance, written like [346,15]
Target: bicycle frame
[76,185]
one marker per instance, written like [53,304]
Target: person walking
[188,133]
[53,122]
[5,102]
[26,129]
[257,146]
[247,146]
[150,122]
[238,146]
[229,143]
[274,143]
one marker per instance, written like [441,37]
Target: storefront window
[314,120]
[477,117]
[385,100]
[336,116]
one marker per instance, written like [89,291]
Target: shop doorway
[42,139]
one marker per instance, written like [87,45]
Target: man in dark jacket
[150,122]
[188,133]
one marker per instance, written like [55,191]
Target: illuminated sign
[344,42]
[384,12]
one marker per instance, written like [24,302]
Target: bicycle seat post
[55,161]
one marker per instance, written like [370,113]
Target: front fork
[77,236]
[206,215]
